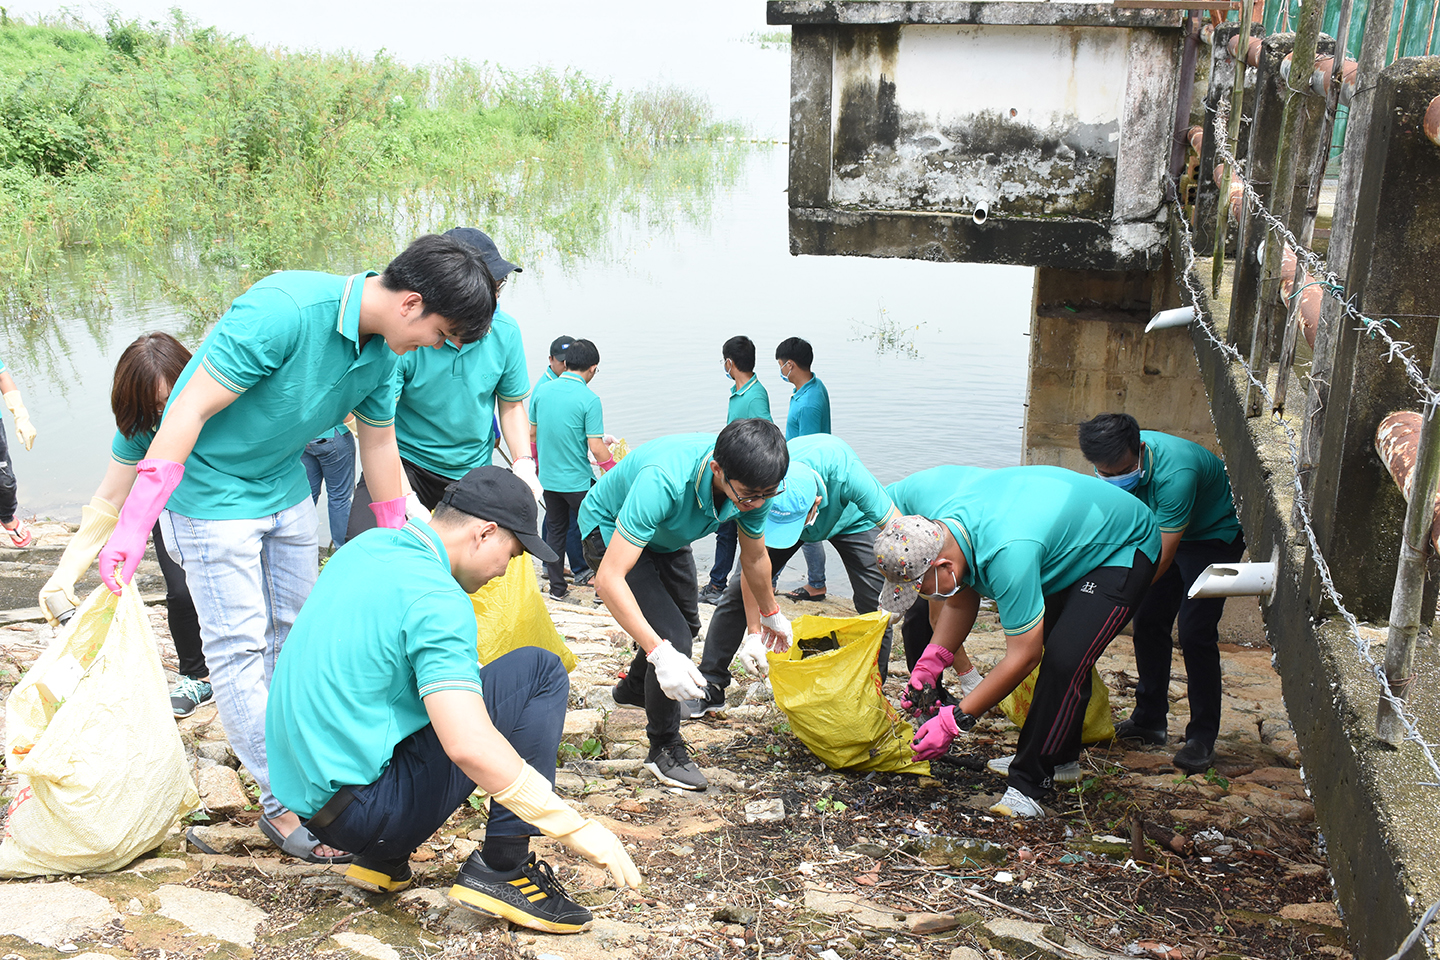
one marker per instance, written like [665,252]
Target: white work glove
[24,429]
[531,799]
[524,468]
[775,631]
[414,509]
[97,522]
[752,655]
[677,676]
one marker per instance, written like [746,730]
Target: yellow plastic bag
[833,699]
[510,613]
[103,774]
[1099,725]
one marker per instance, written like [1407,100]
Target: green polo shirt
[852,500]
[750,402]
[290,348]
[131,450]
[445,398]
[809,410]
[659,496]
[1187,487]
[386,625]
[565,413]
[545,377]
[1029,532]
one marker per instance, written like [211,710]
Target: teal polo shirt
[445,398]
[1187,487]
[750,402]
[809,410]
[131,450]
[1030,532]
[545,377]
[2,365]
[386,625]
[566,414]
[289,347]
[853,501]
[659,496]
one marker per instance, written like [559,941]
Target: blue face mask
[783,375]
[1127,481]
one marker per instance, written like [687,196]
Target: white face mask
[783,375]
[942,596]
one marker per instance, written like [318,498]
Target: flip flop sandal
[199,844]
[800,593]
[20,536]
[300,844]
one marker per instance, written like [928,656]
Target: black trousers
[9,500]
[560,508]
[184,621]
[428,485]
[1080,622]
[1199,622]
[665,589]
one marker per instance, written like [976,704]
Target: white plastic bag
[102,777]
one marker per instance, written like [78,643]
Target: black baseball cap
[495,494]
[480,240]
[559,345]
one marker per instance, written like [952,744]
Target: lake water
[663,296]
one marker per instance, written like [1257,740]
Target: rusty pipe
[1196,136]
[1252,51]
[1431,123]
[1312,298]
[1324,66]
[1398,442]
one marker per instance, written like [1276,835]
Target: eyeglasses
[746,501]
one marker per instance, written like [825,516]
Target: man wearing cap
[1067,558]
[1186,486]
[829,495]
[445,399]
[381,722]
[639,522]
[567,425]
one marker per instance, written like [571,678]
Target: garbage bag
[1099,726]
[510,614]
[90,735]
[833,700]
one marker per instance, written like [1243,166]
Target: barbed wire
[1395,349]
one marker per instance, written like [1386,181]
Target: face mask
[728,375]
[943,596]
[1127,481]
[783,375]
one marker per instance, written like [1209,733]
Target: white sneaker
[969,681]
[1016,804]
[1065,773]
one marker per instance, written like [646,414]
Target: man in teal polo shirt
[567,426]
[381,723]
[1186,486]
[829,495]
[1067,558]
[292,356]
[748,400]
[640,520]
[809,413]
[445,399]
[554,366]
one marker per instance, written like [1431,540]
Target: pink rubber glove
[389,513]
[155,480]
[930,666]
[934,736]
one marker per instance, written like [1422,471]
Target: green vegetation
[202,162]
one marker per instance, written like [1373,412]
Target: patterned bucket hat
[904,550]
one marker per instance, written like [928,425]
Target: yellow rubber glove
[531,799]
[97,521]
[23,426]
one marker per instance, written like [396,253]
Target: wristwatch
[964,721]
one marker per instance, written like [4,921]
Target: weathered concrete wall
[1089,354]
[1029,133]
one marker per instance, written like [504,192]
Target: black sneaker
[379,876]
[1196,756]
[626,697]
[712,702]
[711,594]
[673,767]
[1129,730]
[560,597]
[528,895]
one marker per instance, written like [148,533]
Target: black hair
[581,355]
[452,280]
[797,351]
[741,352]
[753,452]
[1109,437]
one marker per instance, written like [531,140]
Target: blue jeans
[248,579]
[814,564]
[726,541]
[525,695]
[333,461]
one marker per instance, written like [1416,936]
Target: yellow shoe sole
[374,881]
[482,903]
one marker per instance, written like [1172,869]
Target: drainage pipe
[1397,441]
[1234,580]
[1312,298]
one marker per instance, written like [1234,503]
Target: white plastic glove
[752,655]
[415,510]
[524,468]
[775,631]
[677,676]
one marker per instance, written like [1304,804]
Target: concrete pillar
[1089,354]
[1391,274]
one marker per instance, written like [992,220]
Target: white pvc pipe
[981,212]
[1234,580]
[1178,317]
